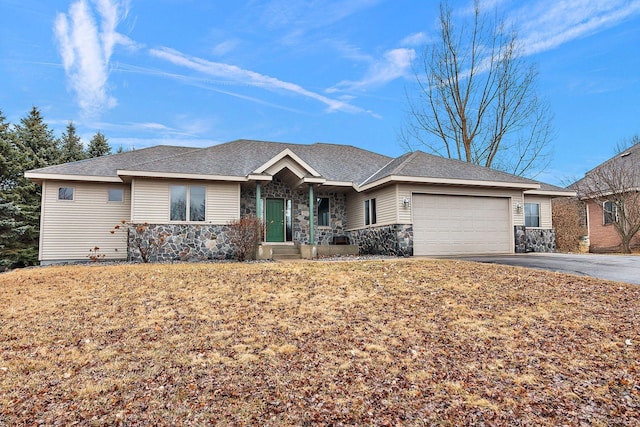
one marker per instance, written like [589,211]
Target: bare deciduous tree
[476,99]
[615,185]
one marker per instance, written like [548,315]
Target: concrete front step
[285,252]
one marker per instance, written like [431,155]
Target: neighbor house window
[369,211]
[187,198]
[532,215]
[65,193]
[116,194]
[323,212]
[610,211]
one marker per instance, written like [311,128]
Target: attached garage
[458,225]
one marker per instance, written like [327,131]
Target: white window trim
[613,212]
[328,226]
[539,214]
[73,194]
[370,206]
[115,201]
[188,204]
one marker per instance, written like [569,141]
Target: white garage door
[456,225]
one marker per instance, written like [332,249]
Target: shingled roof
[421,164]
[627,161]
[107,166]
[242,158]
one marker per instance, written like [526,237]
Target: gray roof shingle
[108,165]
[242,157]
[627,160]
[343,163]
[421,164]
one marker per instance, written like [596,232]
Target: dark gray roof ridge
[401,160]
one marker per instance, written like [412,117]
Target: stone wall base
[534,239]
[394,240]
[179,242]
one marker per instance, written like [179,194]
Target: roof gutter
[448,181]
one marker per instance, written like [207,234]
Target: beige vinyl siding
[69,228]
[386,207]
[223,202]
[406,190]
[151,200]
[545,209]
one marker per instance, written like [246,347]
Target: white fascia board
[36,176]
[550,193]
[202,177]
[255,177]
[313,180]
[337,183]
[284,153]
[449,181]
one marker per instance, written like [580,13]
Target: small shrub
[94,255]
[244,235]
[569,224]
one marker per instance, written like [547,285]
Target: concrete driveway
[621,268]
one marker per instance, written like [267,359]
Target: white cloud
[552,23]
[394,64]
[417,39]
[236,75]
[86,47]
[225,47]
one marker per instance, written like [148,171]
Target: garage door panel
[450,225]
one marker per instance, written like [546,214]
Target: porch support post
[312,237]
[258,201]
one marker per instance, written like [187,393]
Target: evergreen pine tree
[9,157]
[71,148]
[98,146]
[35,142]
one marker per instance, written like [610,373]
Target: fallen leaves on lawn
[389,342]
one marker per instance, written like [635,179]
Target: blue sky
[197,73]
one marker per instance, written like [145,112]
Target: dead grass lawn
[355,343]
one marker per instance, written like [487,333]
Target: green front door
[274,218]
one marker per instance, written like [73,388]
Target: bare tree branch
[475,98]
[616,183]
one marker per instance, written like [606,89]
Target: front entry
[274,220]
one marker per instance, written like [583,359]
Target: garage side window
[532,215]
[610,212]
[370,212]
[65,193]
[116,195]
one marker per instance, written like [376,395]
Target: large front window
[189,199]
[532,215]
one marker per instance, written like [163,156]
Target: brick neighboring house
[600,202]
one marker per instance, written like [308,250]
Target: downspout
[312,238]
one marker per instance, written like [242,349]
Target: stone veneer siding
[534,239]
[394,240]
[182,242]
[277,189]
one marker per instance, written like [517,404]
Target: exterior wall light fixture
[406,202]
